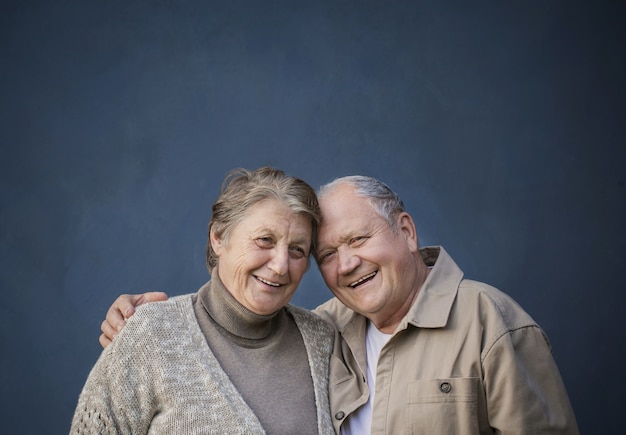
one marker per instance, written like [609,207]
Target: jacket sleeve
[524,390]
[118,396]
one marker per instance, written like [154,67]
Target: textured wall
[500,123]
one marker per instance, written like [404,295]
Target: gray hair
[385,201]
[242,189]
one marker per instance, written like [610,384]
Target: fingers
[149,297]
[108,333]
[104,341]
[113,324]
[122,309]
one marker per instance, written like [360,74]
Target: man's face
[265,256]
[365,264]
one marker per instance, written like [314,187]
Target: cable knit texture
[159,376]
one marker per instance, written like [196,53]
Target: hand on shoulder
[121,310]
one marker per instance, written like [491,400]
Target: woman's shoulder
[151,336]
[302,313]
[158,319]
[306,318]
[165,308]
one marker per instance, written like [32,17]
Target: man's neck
[389,323]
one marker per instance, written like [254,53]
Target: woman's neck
[233,318]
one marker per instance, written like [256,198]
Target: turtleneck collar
[233,319]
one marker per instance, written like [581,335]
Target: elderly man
[419,349]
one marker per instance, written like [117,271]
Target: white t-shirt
[360,422]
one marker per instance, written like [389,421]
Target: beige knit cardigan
[159,376]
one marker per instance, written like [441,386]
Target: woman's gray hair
[242,189]
[385,201]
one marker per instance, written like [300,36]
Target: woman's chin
[266,306]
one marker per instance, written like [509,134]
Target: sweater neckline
[235,320]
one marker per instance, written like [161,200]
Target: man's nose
[347,261]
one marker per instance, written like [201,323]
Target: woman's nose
[279,263]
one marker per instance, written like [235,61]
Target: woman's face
[265,256]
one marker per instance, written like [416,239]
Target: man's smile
[363,279]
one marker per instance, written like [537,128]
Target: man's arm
[524,389]
[124,307]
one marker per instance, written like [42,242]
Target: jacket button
[340,415]
[445,387]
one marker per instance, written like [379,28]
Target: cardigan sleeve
[119,396]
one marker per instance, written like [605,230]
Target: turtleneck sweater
[264,357]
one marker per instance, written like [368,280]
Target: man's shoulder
[331,307]
[492,302]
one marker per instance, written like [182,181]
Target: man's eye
[357,240]
[324,256]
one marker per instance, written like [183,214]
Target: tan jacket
[465,360]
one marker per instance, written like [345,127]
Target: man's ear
[216,242]
[406,227]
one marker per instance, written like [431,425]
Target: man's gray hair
[385,201]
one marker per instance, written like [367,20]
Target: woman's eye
[264,241]
[298,252]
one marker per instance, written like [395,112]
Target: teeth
[365,278]
[273,284]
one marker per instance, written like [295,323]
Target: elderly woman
[233,357]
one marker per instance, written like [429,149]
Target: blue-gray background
[501,124]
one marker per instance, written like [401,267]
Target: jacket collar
[434,302]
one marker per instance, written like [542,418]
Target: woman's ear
[216,242]
[406,227]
